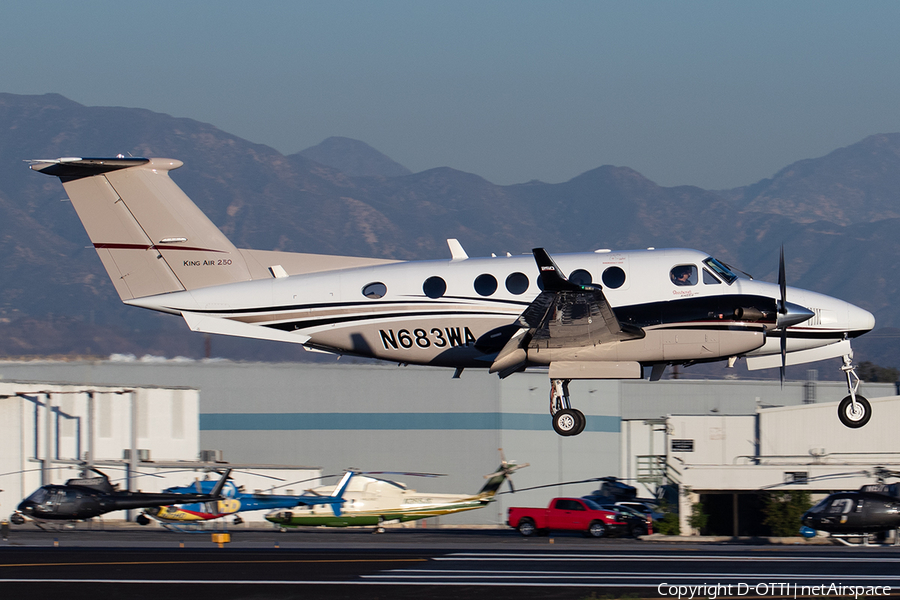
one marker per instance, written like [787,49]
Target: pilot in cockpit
[683,275]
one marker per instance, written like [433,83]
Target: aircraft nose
[860,319]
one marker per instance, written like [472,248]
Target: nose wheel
[854,411]
[567,421]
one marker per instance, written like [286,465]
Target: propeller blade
[782,309]
[783,353]
[782,282]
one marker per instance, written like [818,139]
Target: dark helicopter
[874,508]
[89,497]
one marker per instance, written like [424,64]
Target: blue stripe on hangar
[386,421]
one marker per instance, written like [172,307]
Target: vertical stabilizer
[150,236]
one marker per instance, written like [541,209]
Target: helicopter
[376,501]
[234,500]
[89,497]
[874,508]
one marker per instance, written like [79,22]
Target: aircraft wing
[564,315]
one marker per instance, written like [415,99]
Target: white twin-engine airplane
[612,315]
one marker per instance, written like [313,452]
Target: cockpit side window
[683,275]
[720,270]
[709,278]
[840,506]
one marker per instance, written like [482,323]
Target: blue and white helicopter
[233,501]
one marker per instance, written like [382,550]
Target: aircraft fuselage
[453,312]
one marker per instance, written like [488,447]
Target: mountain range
[837,217]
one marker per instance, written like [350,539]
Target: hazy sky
[715,94]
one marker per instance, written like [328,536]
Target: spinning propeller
[788,314]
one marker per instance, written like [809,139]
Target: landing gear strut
[566,420]
[854,411]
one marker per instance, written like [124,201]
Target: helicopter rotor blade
[537,487]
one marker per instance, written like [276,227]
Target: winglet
[551,275]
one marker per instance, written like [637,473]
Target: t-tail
[151,237]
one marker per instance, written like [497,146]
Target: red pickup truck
[573,514]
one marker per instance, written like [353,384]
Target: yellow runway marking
[214,562]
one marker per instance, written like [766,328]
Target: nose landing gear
[567,421]
[854,411]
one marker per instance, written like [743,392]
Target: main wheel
[565,422]
[142,519]
[638,530]
[16,519]
[596,530]
[526,527]
[854,417]
[582,421]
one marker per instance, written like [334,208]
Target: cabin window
[709,278]
[434,287]
[517,283]
[581,277]
[613,277]
[485,284]
[683,275]
[374,290]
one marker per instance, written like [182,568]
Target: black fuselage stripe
[310,323]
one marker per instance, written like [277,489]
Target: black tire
[565,422]
[526,527]
[142,520]
[596,530]
[857,419]
[582,421]
[638,530]
[17,519]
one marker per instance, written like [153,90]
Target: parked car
[643,507]
[639,523]
[568,514]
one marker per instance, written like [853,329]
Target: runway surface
[414,563]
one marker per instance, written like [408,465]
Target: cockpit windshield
[39,496]
[721,270]
[820,506]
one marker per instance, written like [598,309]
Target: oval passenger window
[434,287]
[581,277]
[613,277]
[517,283]
[485,284]
[374,290]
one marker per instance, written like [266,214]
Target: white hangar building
[378,417]
[142,437]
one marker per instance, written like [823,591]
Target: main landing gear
[566,420]
[854,411]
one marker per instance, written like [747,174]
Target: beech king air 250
[614,314]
